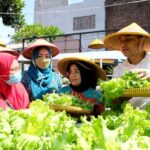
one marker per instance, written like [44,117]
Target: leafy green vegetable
[111,90]
[66,99]
[115,88]
[40,128]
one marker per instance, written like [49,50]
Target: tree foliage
[11,13]
[36,30]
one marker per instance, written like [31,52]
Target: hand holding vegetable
[144,74]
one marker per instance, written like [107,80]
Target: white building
[84,16]
[73,16]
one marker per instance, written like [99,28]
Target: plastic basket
[137,92]
[70,109]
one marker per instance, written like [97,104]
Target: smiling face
[74,75]
[129,45]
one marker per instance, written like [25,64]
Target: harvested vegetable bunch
[115,88]
[65,99]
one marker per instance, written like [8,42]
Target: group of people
[18,90]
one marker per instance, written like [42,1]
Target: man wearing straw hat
[134,42]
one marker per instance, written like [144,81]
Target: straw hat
[8,50]
[2,44]
[27,52]
[112,40]
[96,44]
[63,63]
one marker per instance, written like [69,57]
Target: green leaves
[65,99]
[12,13]
[44,129]
[132,80]
[111,90]
[115,88]
[36,30]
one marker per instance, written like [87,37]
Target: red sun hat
[27,52]
[9,50]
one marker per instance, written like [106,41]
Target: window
[85,22]
[74,1]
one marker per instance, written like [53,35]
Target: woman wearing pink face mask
[12,92]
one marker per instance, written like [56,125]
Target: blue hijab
[40,78]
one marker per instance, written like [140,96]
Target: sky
[28,11]
[74,1]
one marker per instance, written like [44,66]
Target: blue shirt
[36,90]
[90,94]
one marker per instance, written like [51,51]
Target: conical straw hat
[27,52]
[96,44]
[112,40]
[2,44]
[63,64]
[8,50]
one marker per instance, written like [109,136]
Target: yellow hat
[63,63]
[27,52]
[112,40]
[8,50]
[96,44]
[2,44]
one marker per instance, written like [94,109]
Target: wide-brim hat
[27,52]
[2,44]
[96,44]
[8,50]
[112,40]
[63,64]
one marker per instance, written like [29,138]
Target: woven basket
[70,109]
[137,92]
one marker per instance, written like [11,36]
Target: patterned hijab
[40,78]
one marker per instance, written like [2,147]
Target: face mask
[14,78]
[42,63]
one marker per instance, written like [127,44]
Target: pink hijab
[15,94]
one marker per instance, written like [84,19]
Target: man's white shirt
[126,66]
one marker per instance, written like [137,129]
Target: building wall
[59,13]
[120,13]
